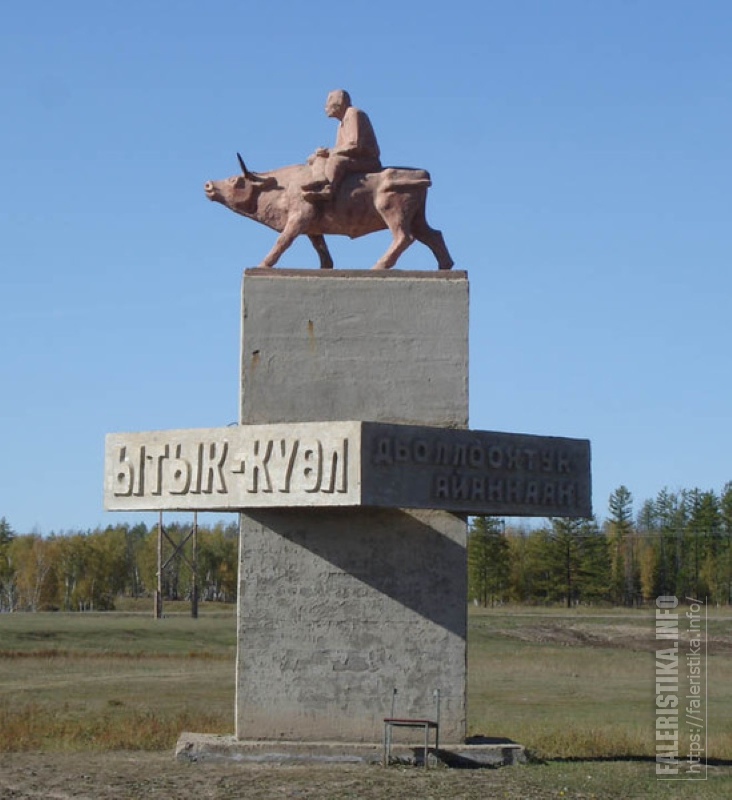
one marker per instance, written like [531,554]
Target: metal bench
[427,725]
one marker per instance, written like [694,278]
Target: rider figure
[355,149]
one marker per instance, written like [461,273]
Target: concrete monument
[353,470]
[352,467]
[339,190]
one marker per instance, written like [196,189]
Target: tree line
[679,543]
[89,570]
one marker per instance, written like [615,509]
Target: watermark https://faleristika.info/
[681,689]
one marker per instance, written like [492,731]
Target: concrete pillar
[338,607]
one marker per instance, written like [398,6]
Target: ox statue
[364,202]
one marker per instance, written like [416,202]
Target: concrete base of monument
[194,747]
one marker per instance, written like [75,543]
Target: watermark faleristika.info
[681,689]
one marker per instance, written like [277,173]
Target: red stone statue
[340,190]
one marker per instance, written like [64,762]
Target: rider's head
[337,102]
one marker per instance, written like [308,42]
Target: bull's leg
[395,213]
[433,239]
[401,241]
[283,241]
[326,262]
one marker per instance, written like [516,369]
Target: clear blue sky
[581,161]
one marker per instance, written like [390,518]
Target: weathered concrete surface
[339,345]
[311,464]
[199,747]
[337,609]
[227,469]
[475,472]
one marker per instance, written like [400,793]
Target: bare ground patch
[133,776]
[625,637]
[57,776]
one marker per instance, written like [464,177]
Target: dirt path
[103,776]
[157,776]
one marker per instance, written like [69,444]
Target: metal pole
[159,590]
[194,568]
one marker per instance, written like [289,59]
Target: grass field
[572,684]
[114,680]
[575,687]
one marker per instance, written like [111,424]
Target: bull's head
[239,192]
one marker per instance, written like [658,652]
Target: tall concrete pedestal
[339,607]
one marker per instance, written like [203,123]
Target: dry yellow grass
[566,684]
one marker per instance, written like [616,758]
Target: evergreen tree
[725,510]
[595,566]
[625,567]
[577,562]
[647,517]
[488,561]
[705,528]
[565,559]
[7,534]
[666,506]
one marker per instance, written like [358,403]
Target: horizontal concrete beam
[326,464]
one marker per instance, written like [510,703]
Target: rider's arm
[356,137]
[348,137]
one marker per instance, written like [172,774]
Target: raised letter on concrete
[348,464]
[232,468]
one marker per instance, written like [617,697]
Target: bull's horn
[250,176]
